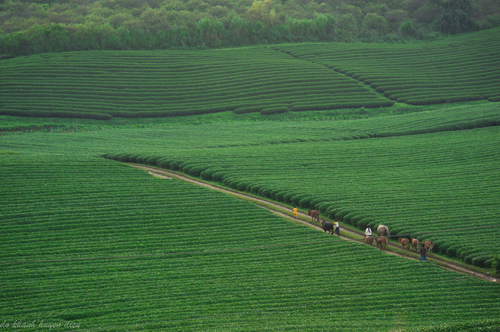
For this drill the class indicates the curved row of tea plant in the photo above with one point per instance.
(456, 69)
(188, 258)
(153, 84)
(414, 184)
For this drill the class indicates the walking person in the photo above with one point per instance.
(368, 231)
(423, 253)
(337, 227)
(294, 212)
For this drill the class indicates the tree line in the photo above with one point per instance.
(40, 26)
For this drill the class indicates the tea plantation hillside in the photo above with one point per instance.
(416, 173)
(154, 84)
(297, 77)
(418, 185)
(91, 244)
(451, 70)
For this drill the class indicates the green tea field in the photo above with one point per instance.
(401, 135)
(90, 244)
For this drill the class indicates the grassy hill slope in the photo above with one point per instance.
(101, 85)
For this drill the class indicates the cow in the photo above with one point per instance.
(327, 226)
(314, 214)
(369, 240)
(414, 243)
(404, 242)
(429, 245)
(382, 230)
(381, 242)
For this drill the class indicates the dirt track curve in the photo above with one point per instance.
(162, 173)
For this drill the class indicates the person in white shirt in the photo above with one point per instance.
(337, 227)
(368, 231)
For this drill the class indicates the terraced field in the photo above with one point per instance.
(154, 84)
(91, 244)
(422, 186)
(413, 183)
(455, 69)
(297, 77)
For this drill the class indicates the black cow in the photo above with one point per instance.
(327, 226)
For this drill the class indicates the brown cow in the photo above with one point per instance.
(314, 214)
(369, 240)
(429, 245)
(404, 243)
(414, 243)
(381, 242)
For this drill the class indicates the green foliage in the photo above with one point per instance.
(33, 27)
(456, 17)
(376, 22)
(496, 263)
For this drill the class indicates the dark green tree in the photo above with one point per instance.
(456, 16)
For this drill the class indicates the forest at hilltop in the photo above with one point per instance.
(41, 26)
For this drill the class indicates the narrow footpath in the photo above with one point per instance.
(165, 174)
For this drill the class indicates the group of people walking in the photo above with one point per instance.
(368, 232)
(423, 249)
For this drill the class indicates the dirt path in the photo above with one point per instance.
(169, 175)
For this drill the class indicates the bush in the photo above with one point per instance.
(152, 161)
(452, 251)
(341, 215)
(376, 22)
(218, 176)
(242, 186)
(306, 203)
(279, 196)
(331, 211)
(209, 172)
(323, 207)
(406, 29)
(273, 193)
(174, 165)
(124, 158)
(197, 170)
(255, 188)
(265, 192)
(296, 199)
(496, 263)
(287, 197)
(142, 159)
(469, 258)
(363, 223)
(164, 163)
(133, 158)
(481, 261)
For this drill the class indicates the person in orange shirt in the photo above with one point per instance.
(294, 212)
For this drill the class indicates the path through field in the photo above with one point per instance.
(169, 175)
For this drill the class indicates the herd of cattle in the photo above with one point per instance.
(382, 242)
(382, 233)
